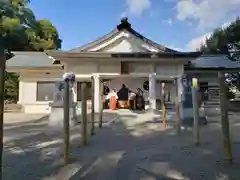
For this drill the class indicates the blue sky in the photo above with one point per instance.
(182, 25)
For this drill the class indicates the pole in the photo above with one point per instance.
(66, 122)
(84, 113)
(178, 121)
(195, 102)
(224, 119)
(101, 105)
(163, 105)
(2, 80)
(93, 108)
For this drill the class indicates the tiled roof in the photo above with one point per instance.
(213, 62)
(30, 59)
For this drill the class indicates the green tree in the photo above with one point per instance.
(22, 32)
(226, 41)
(43, 36)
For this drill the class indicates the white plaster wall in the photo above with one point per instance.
(82, 68)
(28, 91)
(88, 68)
(135, 67)
(109, 67)
(169, 69)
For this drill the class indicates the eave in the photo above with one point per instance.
(47, 68)
(197, 70)
(178, 56)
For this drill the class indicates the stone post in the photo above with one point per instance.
(152, 91)
(97, 93)
(186, 107)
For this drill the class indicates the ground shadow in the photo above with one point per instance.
(147, 155)
(125, 148)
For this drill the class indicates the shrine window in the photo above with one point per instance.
(45, 91)
(146, 85)
(89, 91)
(124, 68)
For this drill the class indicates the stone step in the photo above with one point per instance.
(12, 108)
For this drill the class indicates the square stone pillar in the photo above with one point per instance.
(20, 92)
(186, 106)
(180, 88)
(152, 91)
(97, 93)
(74, 92)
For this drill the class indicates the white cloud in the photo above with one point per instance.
(196, 42)
(172, 46)
(170, 1)
(190, 23)
(208, 13)
(137, 7)
(168, 21)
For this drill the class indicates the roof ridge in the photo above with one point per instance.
(123, 26)
(154, 44)
(95, 42)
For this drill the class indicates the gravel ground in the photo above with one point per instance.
(130, 146)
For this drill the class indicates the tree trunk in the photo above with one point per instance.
(2, 80)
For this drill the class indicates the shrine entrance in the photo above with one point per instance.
(151, 89)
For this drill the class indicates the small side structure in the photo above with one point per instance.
(206, 69)
(37, 79)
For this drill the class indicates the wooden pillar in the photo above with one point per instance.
(224, 119)
(93, 109)
(177, 103)
(2, 81)
(101, 105)
(195, 102)
(164, 105)
(66, 122)
(84, 112)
